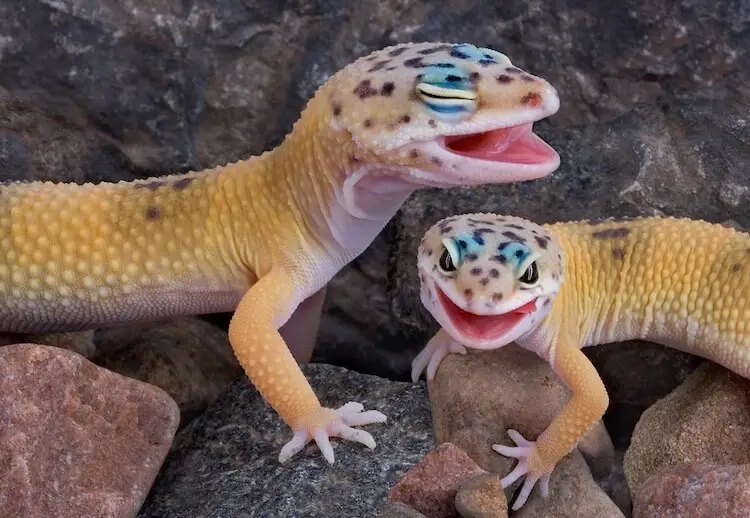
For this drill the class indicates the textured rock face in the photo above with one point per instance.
(75, 439)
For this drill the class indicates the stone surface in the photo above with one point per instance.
(481, 496)
(399, 510)
(706, 419)
(696, 490)
(187, 357)
(430, 487)
(75, 439)
(225, 461)
(81, 342)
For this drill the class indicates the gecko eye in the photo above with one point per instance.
(446, 262)
(531, 275)
(447, 90)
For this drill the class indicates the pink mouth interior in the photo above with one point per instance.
(484, 327)
(516, 144)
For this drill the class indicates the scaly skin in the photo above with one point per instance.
(677, 282)
(263, 236)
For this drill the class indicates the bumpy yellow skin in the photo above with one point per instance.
(678, 282)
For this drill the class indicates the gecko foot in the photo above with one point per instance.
(326, 423)
(526, 453)
(433, 353)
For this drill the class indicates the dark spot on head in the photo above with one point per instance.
(444, 65)
(532, 98)
(453, 79)
(405, 119)
(518, 253)
(484, 281)
(379, 65)
(527, 78)
(514, 225)
(471, 257)
(483, 230)
(429, 252)
(542, 242)
(182, 183)
(618, 253)
(736, 267)
(546, 302)
(151, 186)
(500, 258)
(431, 123)
(387, 89)
(364, 89)
(468, 293)
(513, 70)
(397, 52)
(478, 239)
(435, 160)
(504, 78)
(368, 123)
(446, 229)
(474, 77)
(513, 236)
(371, 57)
(462, 244)
(153, 213)
(494, 273)
(611, 233)
(476, 271)
(390, 69)
(415, 63)
(486, 62)
(336, 109)
(497, 297)
(413, 153)
(432, 50)
(458, 54)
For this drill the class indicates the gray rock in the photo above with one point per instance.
(224, 463)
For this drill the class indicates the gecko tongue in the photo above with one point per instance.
(517, 144)
(483, 327)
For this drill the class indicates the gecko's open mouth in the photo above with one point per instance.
(515, 145)
(483, 328)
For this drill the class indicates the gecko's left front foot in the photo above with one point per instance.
(327, 422)
(529, 464)
(433, 353)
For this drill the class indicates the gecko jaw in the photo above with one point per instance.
(485, 331)
(517, 145)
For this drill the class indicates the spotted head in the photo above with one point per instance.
(488, 279)
(442, 114)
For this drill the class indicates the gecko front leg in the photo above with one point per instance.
(537, 459)
(260, 349)
(433, 353)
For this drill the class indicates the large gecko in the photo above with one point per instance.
(263, 236)
(490, 280)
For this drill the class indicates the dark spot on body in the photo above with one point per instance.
(736, 268)
(182, 183)
(413, 153)
(476, 271)
(387, 89)
(415, 63)
(611, 233)
(432, 50)
(494, 273)
(484, 281)
(527, 78)
(474, 77)
(380, 65)
(364, 89)
(513, 236)
(471, 257)
(153, 213)
(618, 253)
(151, 186)
(397, 52)
(532, 98)
(368, 123)
(405, 119)
(513, 70)
(435, 160)
(336, 109)
(542, 242)
(497, 297)
(504, 78)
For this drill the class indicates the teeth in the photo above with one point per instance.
(446, 93)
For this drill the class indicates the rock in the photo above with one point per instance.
(697, 490)
(187, 357)
(399, 510)
(573, 493)
(76, 439)
(475, 398)
(226, 460)
(81, 342)
(482, 496)
(430, 487)
(705, 420)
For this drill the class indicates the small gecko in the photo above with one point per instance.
(490, 280)
(263, 236)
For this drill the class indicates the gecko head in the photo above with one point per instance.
(488, 279)
(442, 115)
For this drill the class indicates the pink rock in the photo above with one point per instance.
(696, 490)
(75, 439)
(430, 487)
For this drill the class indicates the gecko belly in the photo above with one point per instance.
(515, 144)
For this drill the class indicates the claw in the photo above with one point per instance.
(522, 451)
(326, 423)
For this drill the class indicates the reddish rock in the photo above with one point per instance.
(75, 439)
(430, 487)
(696, 490)
(482, 496)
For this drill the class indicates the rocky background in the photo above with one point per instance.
(654, 120)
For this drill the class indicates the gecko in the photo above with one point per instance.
(490, 279)
(260, 237)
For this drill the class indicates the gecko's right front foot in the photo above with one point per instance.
(327, 422)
